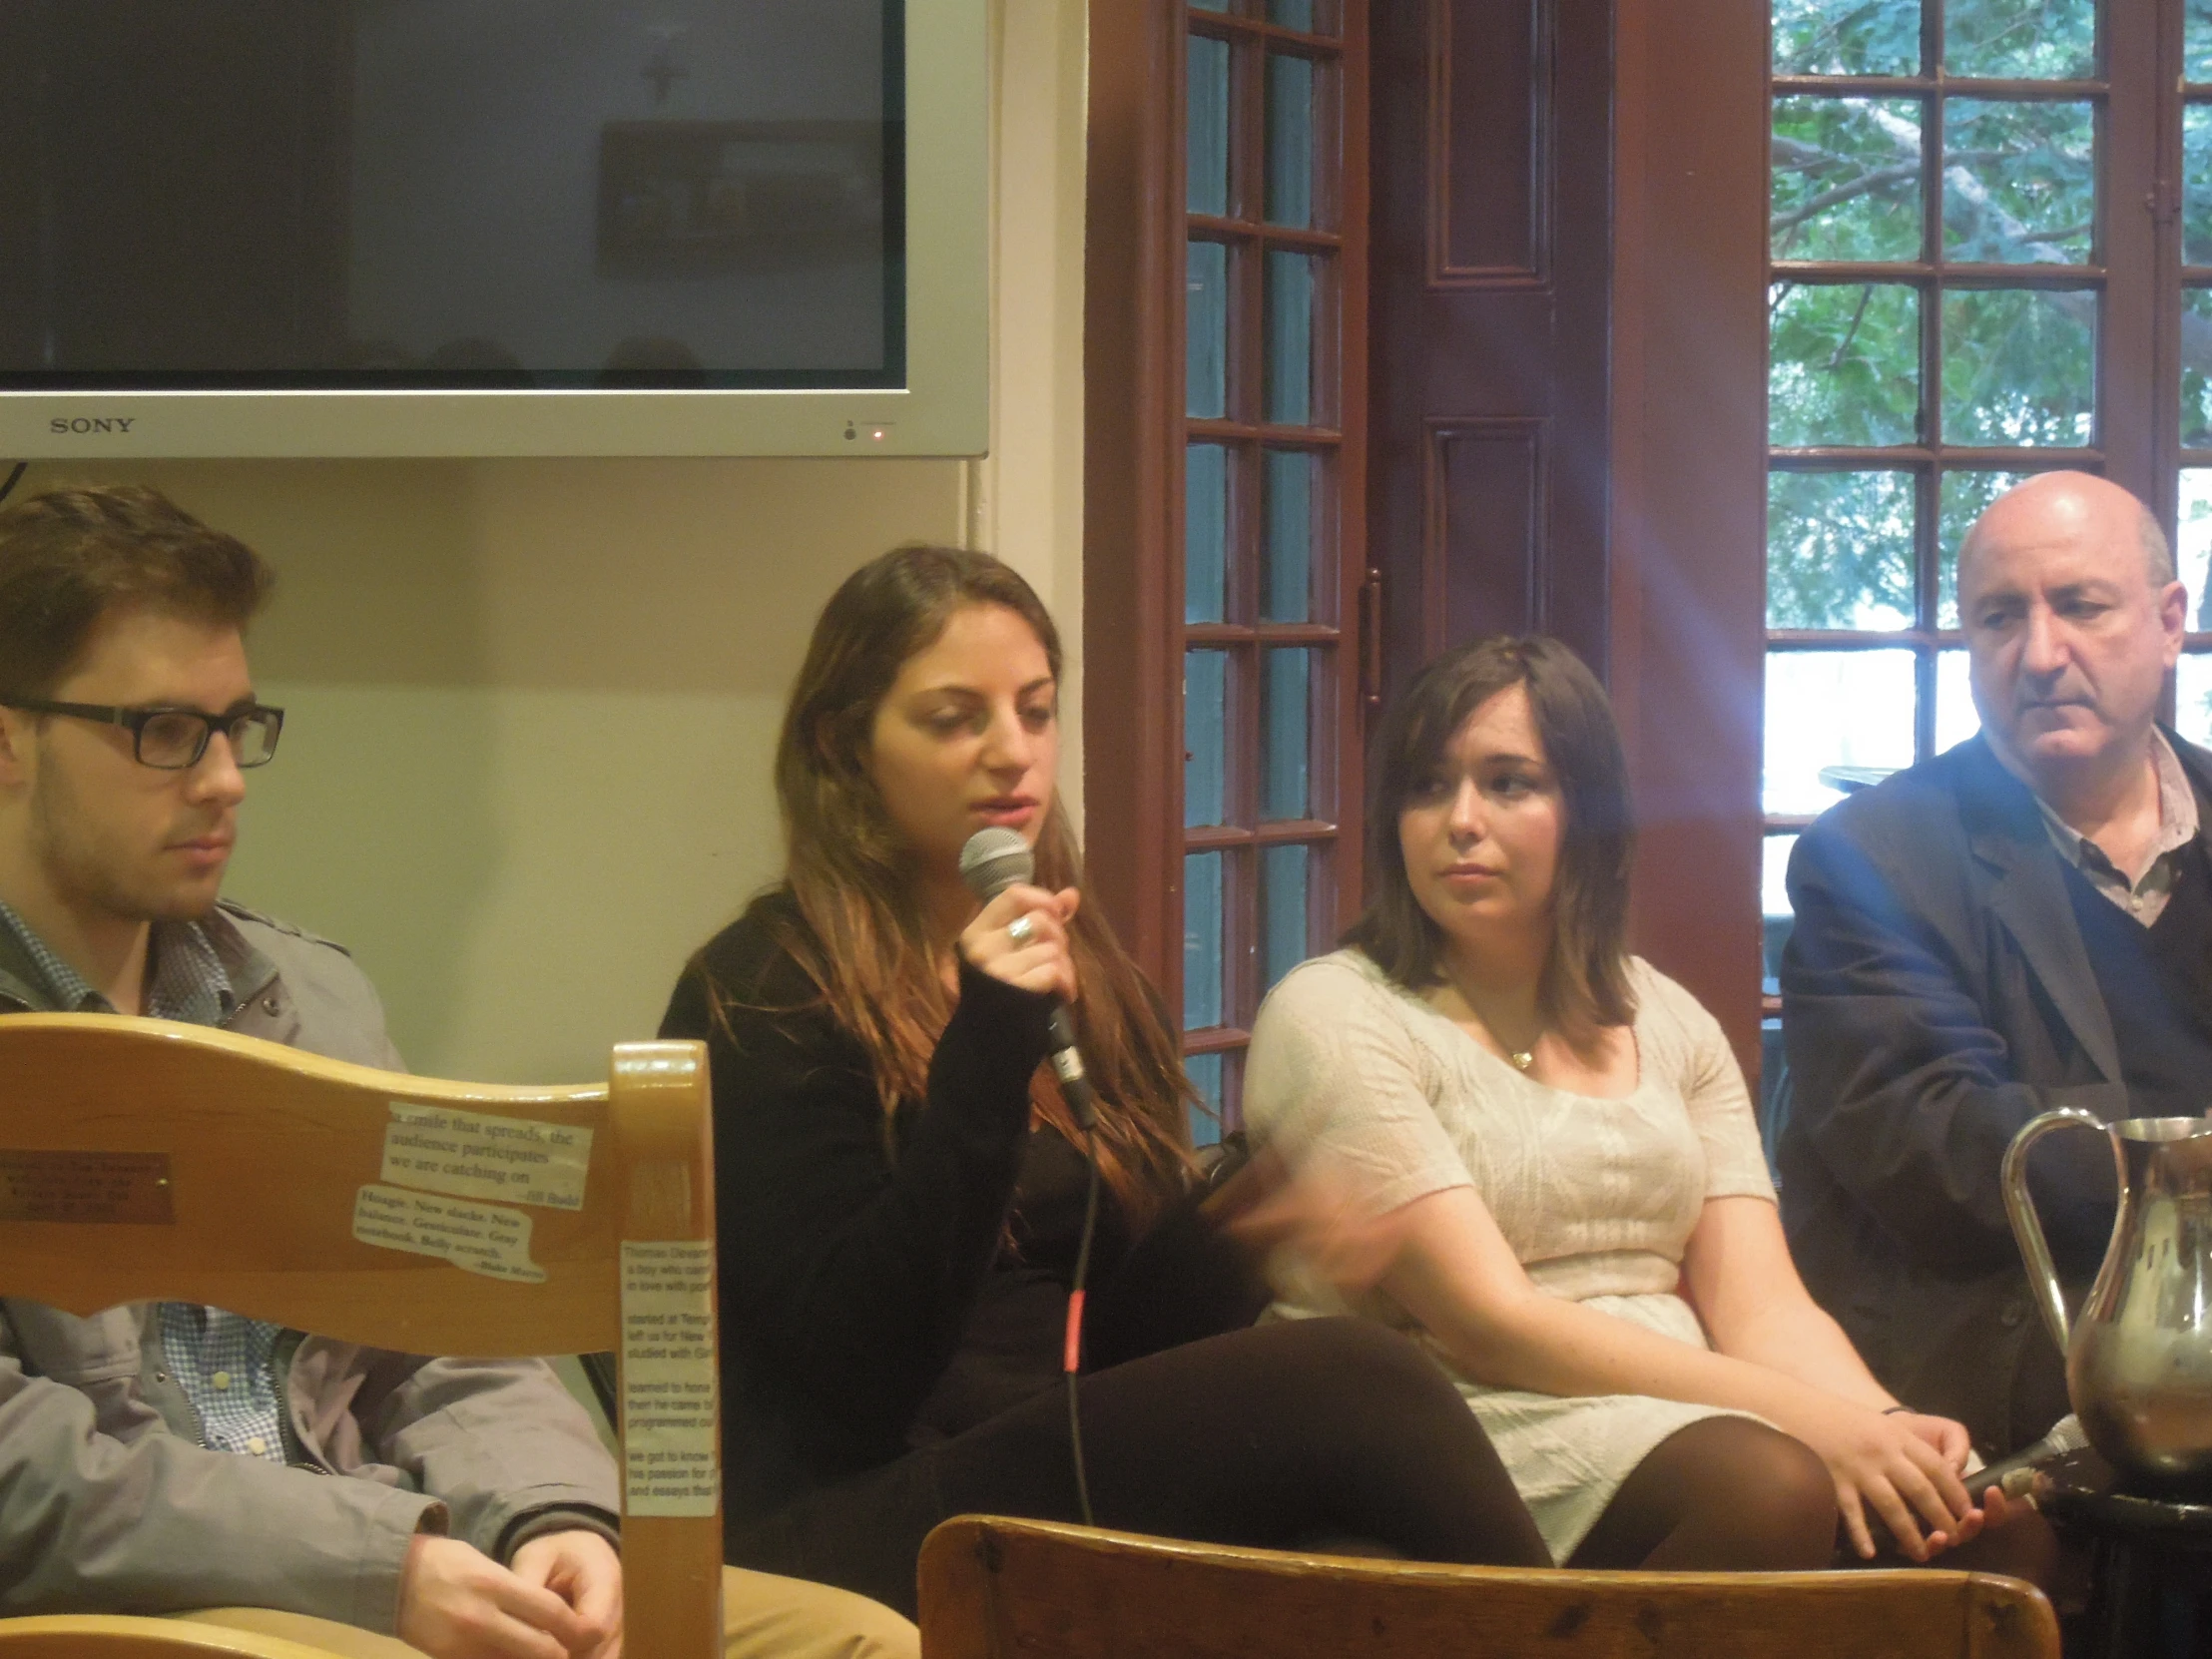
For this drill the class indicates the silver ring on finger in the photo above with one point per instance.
(1020, 931)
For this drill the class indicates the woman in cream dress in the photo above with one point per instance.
(1524, 1145)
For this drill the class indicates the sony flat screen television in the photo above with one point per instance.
(346, 227)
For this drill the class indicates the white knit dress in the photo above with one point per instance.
(1596, 1196)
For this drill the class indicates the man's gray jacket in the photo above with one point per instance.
(109, 1501)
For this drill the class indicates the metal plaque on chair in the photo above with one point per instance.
(85, 1187)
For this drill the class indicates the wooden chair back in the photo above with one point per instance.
(144, 1160)
(993, 1588)
(110, 1636)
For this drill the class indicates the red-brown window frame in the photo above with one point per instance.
(1136, 435)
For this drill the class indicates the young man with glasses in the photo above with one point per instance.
(156, 1458)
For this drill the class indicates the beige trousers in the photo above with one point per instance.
(762, 1617)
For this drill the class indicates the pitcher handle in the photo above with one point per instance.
(2027, 1227)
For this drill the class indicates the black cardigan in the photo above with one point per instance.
(860, 1257)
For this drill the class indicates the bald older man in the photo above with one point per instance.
(2021, 922)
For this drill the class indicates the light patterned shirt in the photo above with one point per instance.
(2145, 898)
(223, 1362)
(220, 1360)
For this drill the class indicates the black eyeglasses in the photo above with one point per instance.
(173, 739)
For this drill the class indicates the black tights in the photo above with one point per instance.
(1726, 1495)
(1272, 1436)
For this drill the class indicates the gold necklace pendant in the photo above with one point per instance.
(1522, 1059)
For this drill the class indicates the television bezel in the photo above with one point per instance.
(943, 409)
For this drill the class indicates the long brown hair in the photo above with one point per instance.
(1584, 986)
(867, 945)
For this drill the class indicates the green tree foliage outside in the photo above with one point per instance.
(2196, 183)
(2018, 182)
(2008, 39)
(1854, 37)
(1844, 365)
(1840, 550)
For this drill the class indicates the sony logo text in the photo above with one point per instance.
(91, 423)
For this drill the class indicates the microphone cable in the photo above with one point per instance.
(1071, 1356)
(993, 860)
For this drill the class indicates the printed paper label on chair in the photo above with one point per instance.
(483, 1238)
(84, 1186)
(472, 1155)
(668, 1380)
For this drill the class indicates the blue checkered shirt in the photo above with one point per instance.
(220, 1360)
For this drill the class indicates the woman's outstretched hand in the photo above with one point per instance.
(1320, 1212)
(1021, 936)
(1902, 1467)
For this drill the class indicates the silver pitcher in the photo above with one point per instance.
(2139, 1356)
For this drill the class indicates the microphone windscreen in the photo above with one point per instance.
(994, 861)
(2016, 1473)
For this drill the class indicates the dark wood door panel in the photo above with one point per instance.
(1483, 551)
(1489, 324)
(1484, 346)
(1489, 98)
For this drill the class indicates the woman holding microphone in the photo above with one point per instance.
(901, 1184)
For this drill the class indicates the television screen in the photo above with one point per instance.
(471, 195)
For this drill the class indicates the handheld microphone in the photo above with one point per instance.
(994, 861)
(2016, 1473)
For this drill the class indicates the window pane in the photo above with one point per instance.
(1291, 14)
(1774, 1109)
(1847, 178)
(2019, 182)
(2193, 697)
(1774, 907)
(1284, 941)
(1964, 497)
(1955, 718)
(1290, 338)
(1213, 5)
(1774, 866)
(1846, 37)
(1840, 550)
(1283, 784)
(1207, 324)
(1290, 197)
(2196, 40)
(1829, 709)
(2196, 184)
(1209, 134)
(1205, 533)
(1202, 934)
(2025, 40)
(1204, 1071)
(2019, 368)
(1205, 737)
(2193, 546)
(1288, 586)
(1845, 364)
(2196, 367)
